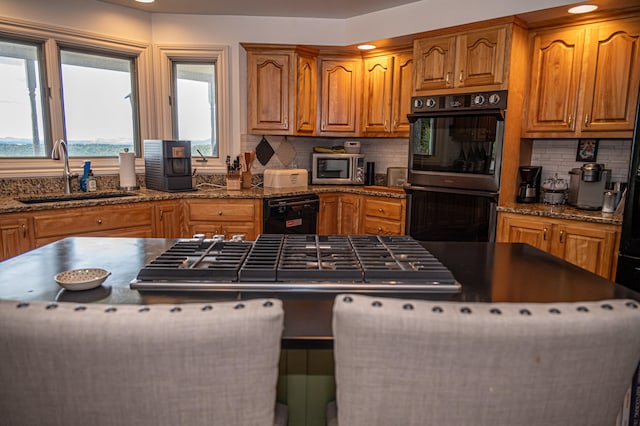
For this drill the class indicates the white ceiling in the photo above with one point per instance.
(335, 9)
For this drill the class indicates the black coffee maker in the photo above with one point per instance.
(529, 191)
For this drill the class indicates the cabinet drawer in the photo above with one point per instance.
(84, 220)
(382, 227)
(239, 211)
(383, 208)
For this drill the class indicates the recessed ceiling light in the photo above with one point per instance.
(366, 47)
(583, 8)
(145, 1)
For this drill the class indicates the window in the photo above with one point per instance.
(194, 106)
(99, 104)
(93, 91)
(22, 129)
(193, 90)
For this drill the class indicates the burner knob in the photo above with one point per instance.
(478, 100)
(431, 102)
(199, 236)
(237, 237)
(418, 103)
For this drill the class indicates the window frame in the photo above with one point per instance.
(52, 39)
(164, 56)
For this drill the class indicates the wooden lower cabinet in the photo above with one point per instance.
(166, 220)
(226, 217)
(328, 215)
(384, 216)
(591, 246)
(349, 210)
(118, 220)
(16, 235)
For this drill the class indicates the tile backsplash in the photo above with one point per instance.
(559, 156)
(384, 152)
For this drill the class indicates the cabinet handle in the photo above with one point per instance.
(285, 123)
(586, 120)
(386, 124)
(570, 121)
(561, 235)
(447, 78)
(544, 234)
(161, 213)
(395, 124)
(24, 231)
(461, 77)
(99, 221)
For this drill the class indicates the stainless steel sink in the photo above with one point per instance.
(74, 197)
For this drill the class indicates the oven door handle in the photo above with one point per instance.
(293, 203)
(487, 194)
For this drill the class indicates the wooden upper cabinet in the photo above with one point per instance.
(340, 96)
(584, 81)
(387, 91)
(556, 69)
(281, 90)
(473, 59)
(612, 77)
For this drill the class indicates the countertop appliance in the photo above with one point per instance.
(455, 157)
(285, 178)
(167, 165)
(290, 214)
(629, 257)
(352, 147)
(281, 263)
(529, 191)
(587, 185)
(337, 169)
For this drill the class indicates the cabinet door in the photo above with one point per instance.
(268, 91)
(525, 229)
(434, 62)
(306, 98)
(555, 76)
(340, 94)
(349, 214)
(15, 236)
(612, 77)
(166, 221)
(378, 89)
(589, 247)
(401, 96)
(480, 58)
(328, 215)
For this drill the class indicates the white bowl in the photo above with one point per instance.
(82, 279)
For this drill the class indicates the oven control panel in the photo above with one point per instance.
(460, 102)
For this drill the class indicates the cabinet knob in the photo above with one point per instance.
(99, 221)
(544, 234)
(380, 210)
(561, 235)
(379, 229)
(219, 213)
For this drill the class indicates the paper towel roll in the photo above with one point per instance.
(127, 170)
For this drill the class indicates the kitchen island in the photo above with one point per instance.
(487, 272)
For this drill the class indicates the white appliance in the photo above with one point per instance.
(285, 178)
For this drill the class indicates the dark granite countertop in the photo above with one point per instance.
(488, 272)
(562, 212)
(10, 203)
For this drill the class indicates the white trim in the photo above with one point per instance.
(163, 55)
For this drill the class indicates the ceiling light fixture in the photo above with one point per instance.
(145, 1)
(583, 8)
(366, 47)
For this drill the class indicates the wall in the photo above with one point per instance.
(559, 156)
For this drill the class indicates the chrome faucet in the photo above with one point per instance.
(60, 152)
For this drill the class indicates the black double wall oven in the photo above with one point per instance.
(455, 156)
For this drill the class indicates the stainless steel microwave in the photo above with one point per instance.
(337, 169)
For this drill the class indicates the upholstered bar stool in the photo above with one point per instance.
(407, 362)
(190, 364)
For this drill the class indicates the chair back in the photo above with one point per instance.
(408, 362)
(188, 364)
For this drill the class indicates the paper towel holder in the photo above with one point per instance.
(127, 187)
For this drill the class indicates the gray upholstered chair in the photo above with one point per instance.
(190, 364)
(405, 362)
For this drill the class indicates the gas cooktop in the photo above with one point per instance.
(290, 262)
